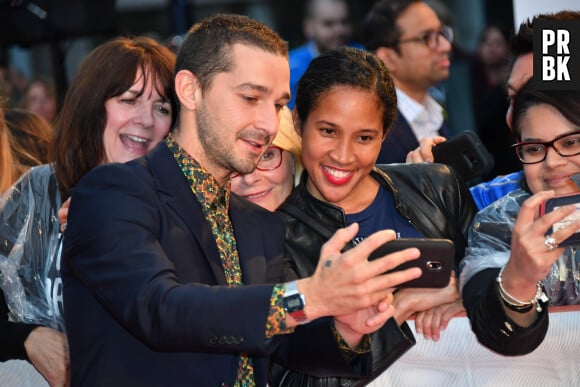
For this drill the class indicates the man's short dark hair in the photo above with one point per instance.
(206, 49)
(379, 28)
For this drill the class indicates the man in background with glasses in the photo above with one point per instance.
(408, 37)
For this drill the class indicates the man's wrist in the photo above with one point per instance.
(295, 303)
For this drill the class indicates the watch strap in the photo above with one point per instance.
(294, 302)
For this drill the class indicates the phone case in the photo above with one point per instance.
(436, 260)
(557, 202)
(466, 154)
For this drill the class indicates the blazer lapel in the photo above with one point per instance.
(403, 134)
(249, 240)
(176, 193)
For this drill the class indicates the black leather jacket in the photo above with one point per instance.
(433, 200)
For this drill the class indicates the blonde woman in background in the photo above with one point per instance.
(24, 141)
(278, 170)
(7, 172)
(30, 136)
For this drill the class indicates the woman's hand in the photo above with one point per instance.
(348, 285)
(431, 322)
(530, 258)
(47, 350)
(63, 214)
(433, 308)
(364, 321)
(424, 153)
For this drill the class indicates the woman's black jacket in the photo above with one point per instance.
(429, 196)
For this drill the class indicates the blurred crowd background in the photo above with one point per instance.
(43, 42)
(49, 38)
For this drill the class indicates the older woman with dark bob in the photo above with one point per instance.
(119, 106)
(517, 262)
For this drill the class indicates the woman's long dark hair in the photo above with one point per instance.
(108, 71)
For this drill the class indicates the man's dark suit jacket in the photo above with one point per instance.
(401, 140)
(140, 272)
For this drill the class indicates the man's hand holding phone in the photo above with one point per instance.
(354, 290)
(432, 298)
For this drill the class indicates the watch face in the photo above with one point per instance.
(293, 303)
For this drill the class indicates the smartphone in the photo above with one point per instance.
(436, 260)
(466, 154)
(557, 202)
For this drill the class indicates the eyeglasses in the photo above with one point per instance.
(532, 152)
(431, 38)
(270, 160)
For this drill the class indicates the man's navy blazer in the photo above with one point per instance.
(145, 295)
(401, 140)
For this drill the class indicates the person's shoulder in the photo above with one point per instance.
(413, 170)
(115, 175)
(505, 207)
(37, 178)
(502, 180)
(300, 51)
(41, 170)
(254, 219)
(300, 56)
(159, 157)
(293, 203)
(116, 167)
(488, 192)
(249, 209)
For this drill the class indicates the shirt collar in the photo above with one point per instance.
(204, 186)
(415, 112)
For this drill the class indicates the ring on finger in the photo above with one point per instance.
(550, 242)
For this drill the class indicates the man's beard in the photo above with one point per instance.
(219, 153)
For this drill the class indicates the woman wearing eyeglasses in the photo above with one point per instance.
(273, 179)
(514, 263)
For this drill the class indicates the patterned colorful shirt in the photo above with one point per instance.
(215, 205)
